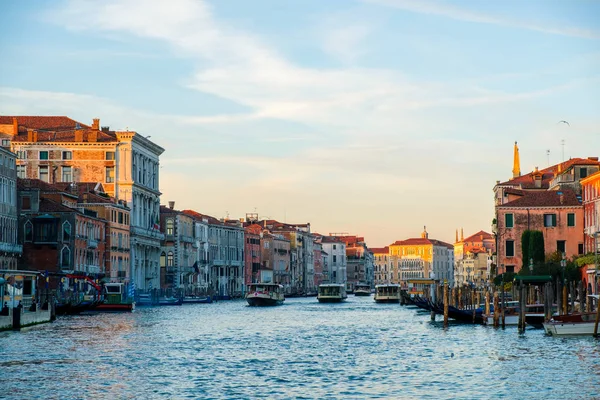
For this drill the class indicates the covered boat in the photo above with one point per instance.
(265, 294)
(331, 293)
(362, 289)
(387, 293)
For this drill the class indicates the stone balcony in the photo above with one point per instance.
(11, 248)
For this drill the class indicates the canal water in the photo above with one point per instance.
(303, 349)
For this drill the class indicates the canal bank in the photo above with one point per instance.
(356, 349)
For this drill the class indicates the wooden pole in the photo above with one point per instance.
(572, 293)
(597, 317)
(436, 290)
(564, 300)
(496, 310)
(503, 304)
(487, 302)
(445, 304)
(521, 307)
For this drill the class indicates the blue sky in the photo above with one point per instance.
(371, 117)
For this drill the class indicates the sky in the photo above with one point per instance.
(366, 117)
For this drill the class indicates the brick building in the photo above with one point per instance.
(59, 149)
(10, 249)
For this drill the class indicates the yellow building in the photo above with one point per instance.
(421, 258)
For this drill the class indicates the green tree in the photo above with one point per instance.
(536, 247)
(525, 247)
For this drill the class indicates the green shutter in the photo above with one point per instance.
(570, 219)
(553, 219)
(508, 220)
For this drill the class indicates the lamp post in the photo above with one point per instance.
(563, 265)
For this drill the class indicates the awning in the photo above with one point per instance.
(533, 279)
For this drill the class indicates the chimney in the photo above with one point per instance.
(79, 135)
(15, 126)
(171, 205)
(96, 123)
(105, 128)
(562, 199)
(593, 158)
(32, 135)
(93, 136)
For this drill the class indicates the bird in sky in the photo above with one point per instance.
(564, 122)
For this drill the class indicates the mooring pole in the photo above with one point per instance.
(445, 304)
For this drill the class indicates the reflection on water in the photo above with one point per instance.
(303, 349)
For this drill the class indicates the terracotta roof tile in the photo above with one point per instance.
(527, 182)
(49, 206)
(42, 122)
(546, 198)
(380, 250)
(479, 236)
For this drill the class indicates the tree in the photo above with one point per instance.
(536, 247)
(525, 238)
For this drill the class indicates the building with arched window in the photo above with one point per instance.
(10, 249)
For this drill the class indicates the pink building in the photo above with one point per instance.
(318, 262)
(252, 254)
(591, 210)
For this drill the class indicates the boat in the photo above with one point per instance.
(115, 299)
(265, 294)
(331, 293)
(170, 301)
(144, 300)
(571, 324)
(534, 315)
(362, 289)
(387, 293)
(197, 299)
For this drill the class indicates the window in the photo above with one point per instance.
(580, 248)
(65, 256)
(67, 174)
(110, 155)
(334, 258)
(510, 248)
(549, 220)
(21, 172)
(43, 155)
(25, 203)
(508, 220)
(28, 231)
(170, 259)
(21, 154)
(169, 227)
(163, 259)
(570, 219)
(67, 155)
(43, 173)
(583, 172)
(66, 231)
(110, 174)
(5, 142)
(561, 246)
(334, 246)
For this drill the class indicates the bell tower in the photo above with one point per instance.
(516, 162)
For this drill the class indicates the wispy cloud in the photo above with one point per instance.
(461, 14)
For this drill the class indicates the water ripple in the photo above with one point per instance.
(301, 350)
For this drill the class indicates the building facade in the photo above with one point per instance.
(59, 149)
(10, 249)
(381, 265)
(473, 258)
(335, 258)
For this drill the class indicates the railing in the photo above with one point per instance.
(566, 178)
(92, 243)
(11, 248)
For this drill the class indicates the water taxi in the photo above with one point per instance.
(387, 293)
(331, 293)
(362, 289)
(116, 299)
(265, 294)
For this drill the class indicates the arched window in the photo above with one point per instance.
(169, 227)
(66, 231)
(28, 231)
(65, 256)
(170, 259)
(163, 259)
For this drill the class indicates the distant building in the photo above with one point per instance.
(252, 254)
(359, 261)
(10, 249)
(381, 265)
(591, 211)
(335, 258)
(422, 258)
(473, 258)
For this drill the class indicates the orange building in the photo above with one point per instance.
(591, 210)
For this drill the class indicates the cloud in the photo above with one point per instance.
(460, 14)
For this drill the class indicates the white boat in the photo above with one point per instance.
(573, 324)
(265, 294)
(362, 289)
(331, 293)
(387, 293)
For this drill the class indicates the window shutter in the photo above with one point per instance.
(553, 219)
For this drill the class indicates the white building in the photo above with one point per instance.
(335, 259)
(10, 249)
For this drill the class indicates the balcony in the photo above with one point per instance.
(92, 244)
(11, 248)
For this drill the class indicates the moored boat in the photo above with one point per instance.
(387, 293)
(115, 299)
(572, 324)
(197, 299)
(331, 293)
(362, 289)
(265, 294)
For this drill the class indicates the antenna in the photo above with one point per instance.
(548, 156)
(562, 143)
